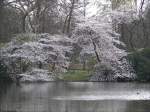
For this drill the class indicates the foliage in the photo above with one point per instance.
(2, 45)
(91, 63)
(43, 51)
(76, 75)
(9, 23)
(118, 3)
(25, 65)
(26, 37)
(141, 64)
(3, 72)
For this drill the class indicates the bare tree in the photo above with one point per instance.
(43, 14)
(85, 3)
(70, 7)
(25, 7)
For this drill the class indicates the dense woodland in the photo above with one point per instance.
(46, 16)
(130, 20)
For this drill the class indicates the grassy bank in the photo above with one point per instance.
(76, 75)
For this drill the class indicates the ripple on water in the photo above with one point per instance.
(144, 95)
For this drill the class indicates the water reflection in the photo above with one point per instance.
(75, 97)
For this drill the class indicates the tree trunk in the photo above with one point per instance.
(38, 5)
(70, 16)
(84, 8)
(65, 23)
(1, 4)
(43, 23)
(95, 50)
(24, 23)
(1, 16)
(32, 27)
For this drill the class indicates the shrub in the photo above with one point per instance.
(27, 37)
(140, 61)
(91, 63)
(2, 45)
(3, 73)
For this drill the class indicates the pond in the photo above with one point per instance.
(75, 97)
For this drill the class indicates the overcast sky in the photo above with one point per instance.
(93, 6)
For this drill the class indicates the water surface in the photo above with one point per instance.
(75, 97)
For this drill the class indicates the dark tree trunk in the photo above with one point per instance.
(1, 16)
(43, 23)
(1, 3)
(84, 8)
(70, 16)
(65, 23)
(96, 53)
(24, 23)
(38, 5)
